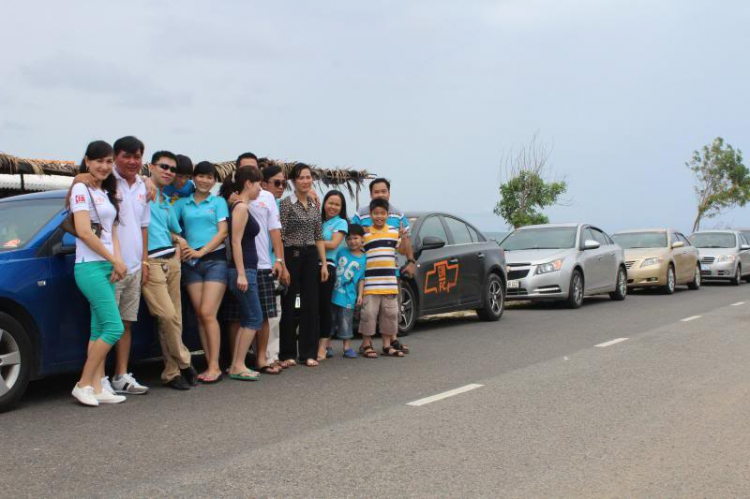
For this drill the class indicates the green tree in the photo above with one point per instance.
(722, 180)
(526, 190)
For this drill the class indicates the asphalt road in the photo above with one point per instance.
(662, 413)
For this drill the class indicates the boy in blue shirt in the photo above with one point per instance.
(350, 269)
(181, 186)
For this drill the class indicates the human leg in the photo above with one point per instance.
(210, 301)
(368, 324)
(309, 327)
(287, 329)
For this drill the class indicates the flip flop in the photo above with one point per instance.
(270, 369)
(329, 352)
(349, 353)
(241, 376)
(210, 380)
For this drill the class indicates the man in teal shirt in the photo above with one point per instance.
(162, 290)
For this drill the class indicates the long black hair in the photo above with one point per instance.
(100, 149)
(235, 182)
(343, 205)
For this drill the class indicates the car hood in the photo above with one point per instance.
(639, 253)
(717, 251)
(536, 256)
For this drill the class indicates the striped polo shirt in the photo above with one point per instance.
(380, 270)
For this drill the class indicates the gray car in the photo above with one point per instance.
(724, 255)
(564, 262)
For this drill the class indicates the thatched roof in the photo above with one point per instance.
(342, 178)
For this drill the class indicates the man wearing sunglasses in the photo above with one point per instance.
(162, 291)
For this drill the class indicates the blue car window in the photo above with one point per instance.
(21, 220)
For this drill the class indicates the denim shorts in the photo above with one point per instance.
(202, 271)
(251, 316)
(342, 322)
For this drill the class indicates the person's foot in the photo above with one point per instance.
(329, 352)
(349, 353)
(126, 383)
(85, 395)
(311, 363)
(178, 383)
(190, 375)
(107, 386)
(109, 398)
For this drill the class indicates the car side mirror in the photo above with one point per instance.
(745, 247)
(678, 244)
(590, 244)
(431, 242)
(63, 249)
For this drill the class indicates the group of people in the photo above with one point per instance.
(153, 236)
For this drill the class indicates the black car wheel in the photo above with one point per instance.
(494, 299)
(408, 310)
(15, 361)
(622, 286)
(576, 290)
(737, 279)
(696, 282)
(671, 282)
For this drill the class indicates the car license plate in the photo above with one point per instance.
(296, 302)
(514, 284)
(705, 267)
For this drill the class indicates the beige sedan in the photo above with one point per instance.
(660, 258)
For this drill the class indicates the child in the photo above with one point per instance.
(350, 262)
(379, 288)
(181, 186)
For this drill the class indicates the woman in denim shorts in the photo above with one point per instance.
(203, 218)
(243, 265)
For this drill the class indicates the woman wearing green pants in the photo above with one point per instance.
(98, 266)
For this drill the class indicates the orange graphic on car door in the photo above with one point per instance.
(442, 278)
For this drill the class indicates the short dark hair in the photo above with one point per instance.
(163, 154)
(356, 230)
(129, 144)
(380, 180)
(184, 165)
(205, 168)
(270, 171)
(236, 181)
(379, 203)
(298, 169)
(245, 155)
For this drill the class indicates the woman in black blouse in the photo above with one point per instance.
(305, 257)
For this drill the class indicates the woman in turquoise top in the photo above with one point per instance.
(335, 227)
(203, 218)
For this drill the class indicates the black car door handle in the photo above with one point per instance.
(453, 260)
(481, 255)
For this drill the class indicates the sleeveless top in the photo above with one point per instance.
(249, 253)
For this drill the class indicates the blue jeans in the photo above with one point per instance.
(342, 323)
(251, 316)
(204, 270)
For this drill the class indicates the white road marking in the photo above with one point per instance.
(691, 318)
(611, 342)
(738, 303)
(444, 395)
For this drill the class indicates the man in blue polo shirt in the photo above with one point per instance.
(162, 290)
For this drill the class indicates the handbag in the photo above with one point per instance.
(69, 226)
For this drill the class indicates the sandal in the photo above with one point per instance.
(400, 346)
(349, 353)
(368, 352)
(329, 352)
(246, 376)
(270, 369)
(390, 351)
(210, 380)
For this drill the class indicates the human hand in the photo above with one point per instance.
(144, 273)
(151, 189)
(119, 268)
(409, 269)
(286, 278)
(242, 282)
(324, 273)
(359, 301)
(278, 270)
(233, 198)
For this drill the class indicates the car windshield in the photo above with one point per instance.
(713, 240)
(633, 240)
(548, 238)
(21, 220)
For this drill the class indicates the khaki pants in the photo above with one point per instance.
(162, 295)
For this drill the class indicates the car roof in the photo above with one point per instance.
(632, 231)
(720, 231)
(548, 226)
(56, 194)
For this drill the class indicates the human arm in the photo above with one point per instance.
(360, 292)
(323, 263)
(279, 267)
(219, 237)
(117, 273)
(151, 190)
(144, 264)
(239, 221)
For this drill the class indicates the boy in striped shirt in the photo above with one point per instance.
(379, 288)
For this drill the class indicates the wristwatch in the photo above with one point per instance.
(411, 260)
(280, 260)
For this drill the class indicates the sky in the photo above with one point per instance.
(431, 94)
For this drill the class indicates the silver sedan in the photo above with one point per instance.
(564, 262)
(724, 255)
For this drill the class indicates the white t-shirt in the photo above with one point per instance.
(80, 200)
(266, 213)
(135, 214)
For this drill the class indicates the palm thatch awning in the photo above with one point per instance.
(342, 178)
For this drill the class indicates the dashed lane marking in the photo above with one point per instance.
(444, 395)
(611, 342)
(691, 318)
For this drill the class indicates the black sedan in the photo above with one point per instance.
(458, 268)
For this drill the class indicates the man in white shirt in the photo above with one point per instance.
(132, 232)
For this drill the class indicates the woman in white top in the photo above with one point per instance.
(98, 266)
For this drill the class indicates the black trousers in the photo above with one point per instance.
(304, 268)
(326, 293)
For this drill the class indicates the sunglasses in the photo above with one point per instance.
(170, 168)
(279, 183)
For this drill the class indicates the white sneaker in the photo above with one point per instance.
(85, 395)
(127, 384)
(109, 398)
(107, 386)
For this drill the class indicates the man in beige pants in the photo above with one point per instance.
(162, 291)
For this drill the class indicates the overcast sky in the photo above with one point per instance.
(432, 94)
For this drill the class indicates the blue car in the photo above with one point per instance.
(44, 318)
